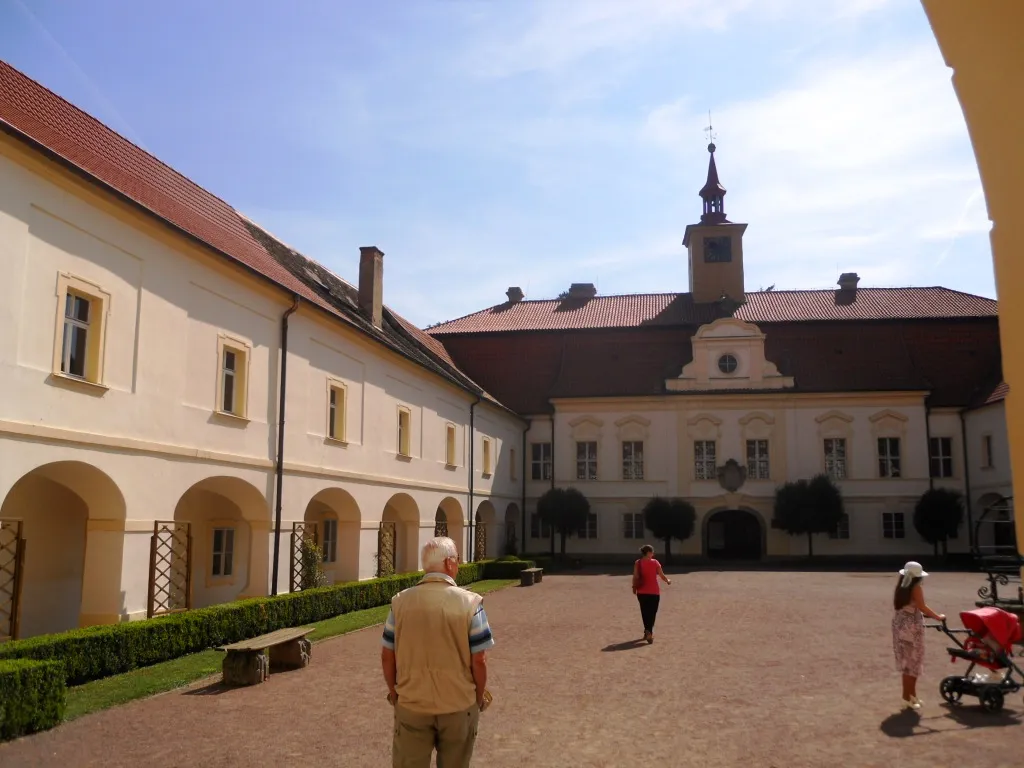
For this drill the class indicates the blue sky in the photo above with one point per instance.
(542, 142)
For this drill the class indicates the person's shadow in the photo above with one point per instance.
(909, 722)
(629, 644)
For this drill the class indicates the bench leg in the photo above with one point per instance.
(525, 579)
(538, 577)
(245, 667)
(291, 655)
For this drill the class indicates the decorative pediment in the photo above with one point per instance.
(728, 354)
(889, 421)
(633, 419)
(767, 418)
(888, 413)
(633, 427)
(709, 417)
(833, 416)
(586, 427)
(586, 419)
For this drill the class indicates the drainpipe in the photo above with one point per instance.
(472, 451)
(967, 480)
(279, 469)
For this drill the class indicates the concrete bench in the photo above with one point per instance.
(248, 662)
(530, 576)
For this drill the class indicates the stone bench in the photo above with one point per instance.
(530, 576)
(248, 662)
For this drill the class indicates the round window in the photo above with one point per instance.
(727, 364)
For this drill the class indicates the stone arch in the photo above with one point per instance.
(231, 539)
(73, 517)
(402, 510)
(484, 530)
(336, 515)
(513, 521)
(451, 510)
(734, 533)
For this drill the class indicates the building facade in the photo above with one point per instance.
(142, 368)
(719, 395)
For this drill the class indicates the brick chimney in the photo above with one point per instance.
(848, 281)
(515, 294)
(371, 284)
(582, 291)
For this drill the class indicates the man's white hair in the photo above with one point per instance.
(436, 551)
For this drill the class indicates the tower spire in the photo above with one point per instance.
(712, 193)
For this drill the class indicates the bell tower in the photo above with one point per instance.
(715, 245)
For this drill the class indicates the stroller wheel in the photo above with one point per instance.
(949, 689)
(991, 699)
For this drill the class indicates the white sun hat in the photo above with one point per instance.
(912, 570)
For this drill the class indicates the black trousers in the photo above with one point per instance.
(648, 610)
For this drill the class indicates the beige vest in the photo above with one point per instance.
(432, 647)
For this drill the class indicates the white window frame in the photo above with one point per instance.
(450, 437)
(589, 528)
(586, 464)
(488, 458)
(404, 436)
(539, 529)
(633, 525)
(890, 464)
(942, 454)
(705, 465)
(330, 540)
(758, 462)
(540, 461)
(836, 457)
(632, 466)
(222, 561)
(987, 453)
(242, 351)
(337, 407)
(890, 520)
(842, 531)
(69, 286)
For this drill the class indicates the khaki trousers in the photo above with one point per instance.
(417, 735)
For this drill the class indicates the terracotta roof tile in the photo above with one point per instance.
(674, 309)
(998, 394)
(31, 111)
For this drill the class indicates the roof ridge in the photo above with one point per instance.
(104, 127)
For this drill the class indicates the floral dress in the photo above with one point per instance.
(908, 640)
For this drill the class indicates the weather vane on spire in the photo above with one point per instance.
(710, 133)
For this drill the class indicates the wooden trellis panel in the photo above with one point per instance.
(12, 570)
(170, 568)
(300, 533)
(510, 537)
(440, 524)
(386, 549)
(479, 541)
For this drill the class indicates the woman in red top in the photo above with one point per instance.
(646, 572)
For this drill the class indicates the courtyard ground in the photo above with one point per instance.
(753, 668)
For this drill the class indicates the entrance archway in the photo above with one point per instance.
(402, 518)
(733, 534)
(335, 514)
(73, 517)
(230, 539)
(451, 510)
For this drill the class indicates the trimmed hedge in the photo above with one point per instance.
(97, 652)
(506, 569)
(31, 696)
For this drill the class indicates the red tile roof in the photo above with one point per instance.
(998, 394)
(674, 309)
(31, 112)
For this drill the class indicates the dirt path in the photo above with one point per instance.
(748, 669)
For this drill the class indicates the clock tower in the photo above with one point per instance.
(715, 246)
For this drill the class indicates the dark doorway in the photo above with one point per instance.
(733, 534)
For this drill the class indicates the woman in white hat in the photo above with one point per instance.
(908, 629)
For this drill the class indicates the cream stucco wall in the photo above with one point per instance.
(93, 465)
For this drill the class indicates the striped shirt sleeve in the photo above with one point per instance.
(388, 637)
(480, 637)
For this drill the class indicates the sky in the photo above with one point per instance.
(485, 144)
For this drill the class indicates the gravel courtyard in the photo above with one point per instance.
(748, 668)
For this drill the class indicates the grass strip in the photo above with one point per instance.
(166, 676)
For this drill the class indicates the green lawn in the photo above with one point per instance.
(119, 689)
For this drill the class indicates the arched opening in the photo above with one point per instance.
(336, 516)
(484, 543)
(733, 534)
(230, 539)
(451, 509)
(73, 519)
(511, 543)
(402, 519)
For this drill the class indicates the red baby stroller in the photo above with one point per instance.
(991, 633)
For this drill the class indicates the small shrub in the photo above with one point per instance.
(96, 652)
(312, 558)
(31, 696)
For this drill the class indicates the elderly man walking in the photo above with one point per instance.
(435, 664)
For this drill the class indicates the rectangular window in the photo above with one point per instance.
(757, 460)
(941, 456)
(232, 380)
(336, 413)
(404, 432)
(540, 461)
(589, 529)
(330, 540)
(986, 452)
(487, 468)
(538, 528)
(586, 460)
(632, 460)
(75, 348)
(513, 471)
(842, 530)
(889, 457)
(704, 459)
(449, 445)
(835, 457)
(223, 552)
(633, 525)
(892, 525)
